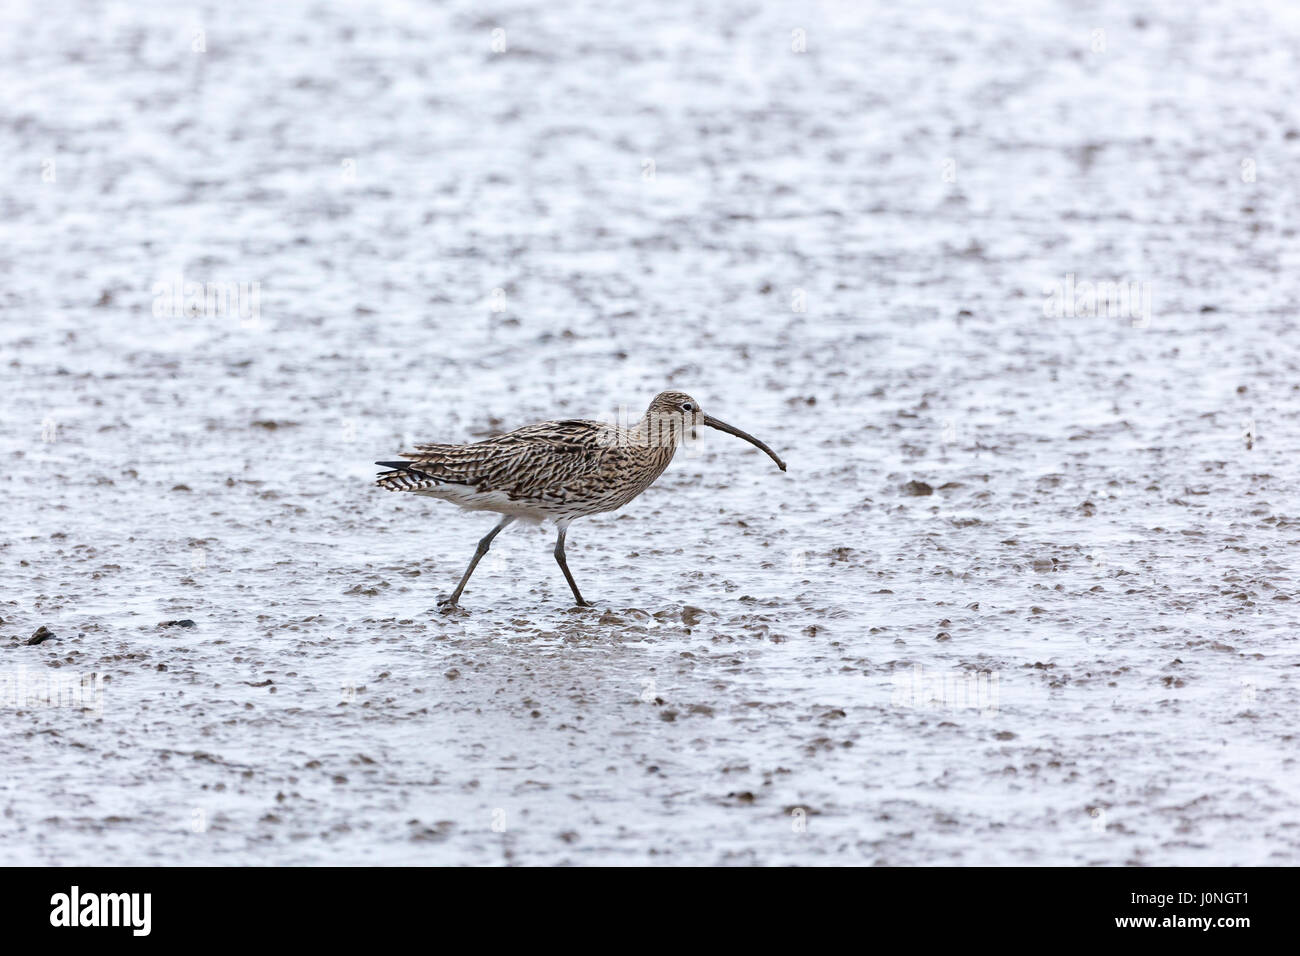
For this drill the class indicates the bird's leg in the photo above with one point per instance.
(481, 550)
(564, 566)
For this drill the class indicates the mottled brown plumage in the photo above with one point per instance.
(558, 470)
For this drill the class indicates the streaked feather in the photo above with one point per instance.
(560, 469)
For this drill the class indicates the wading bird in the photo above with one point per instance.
(554, 470)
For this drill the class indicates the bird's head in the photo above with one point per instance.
(673, 416)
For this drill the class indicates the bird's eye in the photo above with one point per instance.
(687, 407)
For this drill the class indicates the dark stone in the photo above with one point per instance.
(42, 634)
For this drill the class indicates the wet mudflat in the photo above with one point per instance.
(1026, 594)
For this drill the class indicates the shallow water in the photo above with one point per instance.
(1077, 648)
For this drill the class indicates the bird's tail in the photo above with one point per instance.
(403, 476)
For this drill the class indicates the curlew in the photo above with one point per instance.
(557, 471)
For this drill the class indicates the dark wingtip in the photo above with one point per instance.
(394, 465)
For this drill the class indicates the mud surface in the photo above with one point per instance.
(1026, 594)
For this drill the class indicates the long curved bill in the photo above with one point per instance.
(732, 430)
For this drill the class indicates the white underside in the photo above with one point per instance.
(473, 500)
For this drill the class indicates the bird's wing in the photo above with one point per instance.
(536, 461)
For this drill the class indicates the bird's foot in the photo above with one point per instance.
(448, 605)
(582, 603)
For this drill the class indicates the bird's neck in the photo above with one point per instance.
(657, 432)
